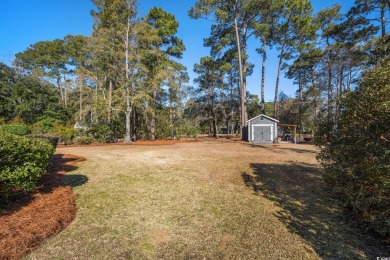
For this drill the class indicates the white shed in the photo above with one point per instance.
(262, 129)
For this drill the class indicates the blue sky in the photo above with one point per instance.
(25, 22)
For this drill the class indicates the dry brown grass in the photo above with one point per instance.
(204, 200)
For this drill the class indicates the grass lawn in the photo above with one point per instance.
(206, 200)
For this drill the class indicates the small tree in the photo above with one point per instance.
(210, 81)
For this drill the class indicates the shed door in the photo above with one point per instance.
(262, 133)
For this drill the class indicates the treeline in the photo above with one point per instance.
(323, 53)
(125, 76)
(128, 75)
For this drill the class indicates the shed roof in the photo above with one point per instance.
(270, 118)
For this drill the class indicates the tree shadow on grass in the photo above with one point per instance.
(281, 148)
(62, 163)
(75, 180)
(308, 210)
(55, 177)
(300, 150)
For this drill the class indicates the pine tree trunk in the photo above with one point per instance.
(133, 123)
(153, 120)
(383, 20)
(242, 83)
(264, 55)
(330, 91)
(171, 114)
(96, 102)
(127, 89)
(60, 91)
(65, 98)
(315, 98)
(110, 89)
(277, 80)
(231, 102)
(215, 128)
(128, 117)
(300, 103)
(81, 97)
(244, 69)
(214, 122)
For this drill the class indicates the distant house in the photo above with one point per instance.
(82, 126)
(262, 129)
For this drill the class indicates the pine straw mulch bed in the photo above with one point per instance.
(160, 142)
(138, 142)
(28, 220)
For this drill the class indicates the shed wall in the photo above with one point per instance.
(261, 121)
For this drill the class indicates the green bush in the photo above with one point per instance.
(102, 133)
(22, 162)
(45, 125)
(188, 130)
(65, 134)
(83, 140)
(51, 139)
(15, 129)
(355, 152)
(163, 130)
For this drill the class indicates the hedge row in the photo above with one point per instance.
(22, 162)
(83, 140)
(15, 129)
(64, 134)
(50, 139)
(355, 154)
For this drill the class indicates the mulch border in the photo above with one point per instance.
(30, 219)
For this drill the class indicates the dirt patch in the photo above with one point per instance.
(225, 240)
(30, 219)
(159, 236)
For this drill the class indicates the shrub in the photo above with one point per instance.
(15, 129)
(163, 125)
(65, 134)
(22, 162)
(83, 140)
(50, 139)
(17, 121)
(188, 130)
(44, 125)
(355, 154)
(102, 133)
